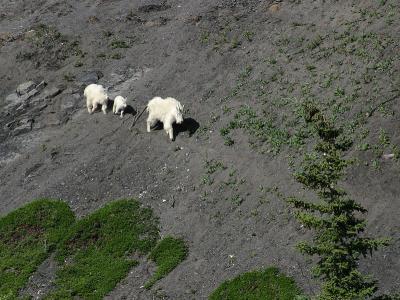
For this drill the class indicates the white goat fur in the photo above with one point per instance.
(119, 105)
(96, 95)
(167, 111)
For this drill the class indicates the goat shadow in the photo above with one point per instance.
(129, 110)
(189, 125)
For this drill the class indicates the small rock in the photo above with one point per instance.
(25, 87)
(93, 19)
(51, 93)
(21, 107)
(24, 127)
(29, 95)
(388, 156)
(70, 91)
(116, 79)
(193, 19)
(41, 85)
(30, 34)
(90, 77)
(9, 124)
(5, 37)
(67, 104)
(42, 107)
(274, 8)
(156, 22)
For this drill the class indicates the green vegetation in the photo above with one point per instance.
(116, 55)
(49, 46)
(268, 284)
(93, 253)
(119, 44)
(249, 35)
(349, 73)
(227, 36)
(27, 237)
(336, 219)
(225, 189)
(262, 128)
(43, 34)
(97, 248)
(69, 77)
(315, 43)
(211, 166)
(204, 37)
(168, 253)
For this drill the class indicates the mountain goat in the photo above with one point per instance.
(96, 95)
(167, 111)
(119, 105)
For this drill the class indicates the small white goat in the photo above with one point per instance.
(167, 111)
(119, 105)
(96, 95)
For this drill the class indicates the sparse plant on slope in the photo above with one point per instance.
(339, 240)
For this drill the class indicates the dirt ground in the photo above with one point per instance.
(234, 217)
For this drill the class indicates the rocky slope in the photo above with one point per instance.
(214, 56)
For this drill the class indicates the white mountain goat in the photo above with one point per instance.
(119, 105)
(96, 95)
(167, 111)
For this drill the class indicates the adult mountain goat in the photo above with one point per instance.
(167, 111)
(96, 95)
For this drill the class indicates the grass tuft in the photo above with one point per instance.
(119, 44)
(261, 128)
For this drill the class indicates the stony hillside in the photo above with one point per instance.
(242, 69)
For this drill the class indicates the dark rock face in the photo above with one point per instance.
(89, 77)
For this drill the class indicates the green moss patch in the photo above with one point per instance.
(93, 253)
(97, 249)
(27, 237)
(267, 284)
(168, 253)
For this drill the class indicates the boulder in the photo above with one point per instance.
(13, 100)
(29, 95)
(50, 93)
(89, 77)
(25, 87)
